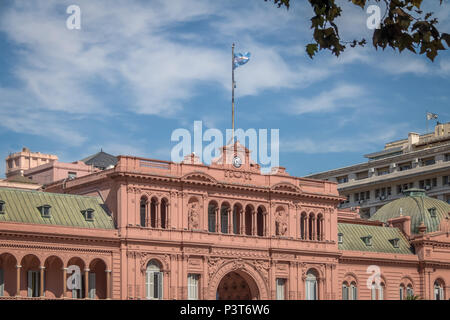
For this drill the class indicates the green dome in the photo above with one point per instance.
(419, 207)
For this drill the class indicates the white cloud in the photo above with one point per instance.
(342, 96)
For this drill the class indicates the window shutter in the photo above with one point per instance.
(30, 283)
(160, 285)
(92, 285)
(2, 283)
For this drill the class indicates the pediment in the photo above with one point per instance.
(286, 186)
(198, 177)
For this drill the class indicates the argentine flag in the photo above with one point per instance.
(241, 59)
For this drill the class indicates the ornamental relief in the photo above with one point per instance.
(215, 263)
(145, 257)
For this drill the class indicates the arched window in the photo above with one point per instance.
(153, 213)
(237, 212)
(311, 289)
(377, 292)
(260, 222)
(154, 281)
(311, 226)
(409, 291)
(224, 218)
(402, 292)
(439, 290)
(248, 220)
(143, 212)
(212, 217)
(345, 294)
(354, 291)
(303, 226)
(319, 227)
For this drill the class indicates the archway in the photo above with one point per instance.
(237, 285)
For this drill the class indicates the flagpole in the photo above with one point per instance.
(232, 92)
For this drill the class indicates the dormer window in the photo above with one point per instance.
(88, 214)
(395, 242)
(45, 211)
(432, 212)
(340, 238)
(367, 240)
(2, 207)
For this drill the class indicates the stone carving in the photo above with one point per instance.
(193, 215)
(281, 223)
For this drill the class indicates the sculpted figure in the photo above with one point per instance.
(193, 215)
(281, 223)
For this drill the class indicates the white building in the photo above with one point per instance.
(420, 161)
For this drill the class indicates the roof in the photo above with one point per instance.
(382, 238)
(101, 160)
(416, 205)
(20, 179)
(66, 210)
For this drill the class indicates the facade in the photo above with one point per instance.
(421, 161)
(149, 229)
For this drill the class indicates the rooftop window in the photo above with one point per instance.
(88, 214)
(428, 161)
(362, 175)
(382, 171)
(45, 211)
(395, 242)
(340, 238)
(2, 207)
(432, 212)
(342, 179)
(367, 240)
(404, 166)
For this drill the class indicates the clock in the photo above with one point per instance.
(237, 162)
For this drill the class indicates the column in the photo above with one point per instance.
(217, 219)
(167, 215)
(242, 224)
(18, 269)
(230, 221)
(313, 228)
(86, 283)
(41, 282)
(108, 284)
(147, 213)
(307, 227)
(64, 283)
(265, 223)
(253, 223)
(158, 215)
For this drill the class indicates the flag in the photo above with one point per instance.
(431, 116)
(241, 59)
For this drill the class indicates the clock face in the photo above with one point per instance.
(237, 162)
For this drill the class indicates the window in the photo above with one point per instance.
(402, 292)
(356, 197)
(193, 280)
(45, 211)
(340, 238)
(447, 157)
(2, 206)
(311, 286)
(91, 287)
(143, 211)
(33, 283)
(2, 283)
(212, 218)
(154, 281)
(409, 291)
(345, 294)
(438, 290)
(362, 175)
(367, 240)
(428, 161)
(395, 242)
(382, 171)
(404, 166)
(432, 212)
(342, 179)
(354, 291)
(88, 214)
(281, 289)
(71, 175)
(434, 182)
(445, 180)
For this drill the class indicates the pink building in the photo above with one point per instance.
(149, 229)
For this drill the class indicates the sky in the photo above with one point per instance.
(138, 70)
